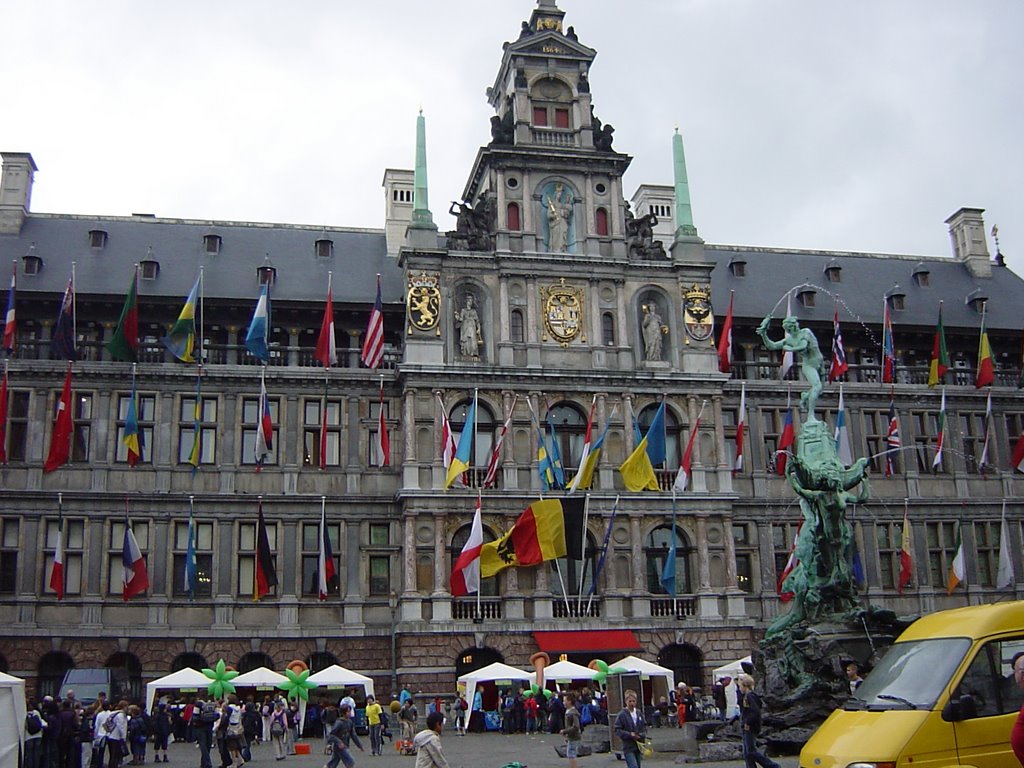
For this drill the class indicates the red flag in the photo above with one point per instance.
(264, 575)
(10, 326)
(326, 348)
(786, 441)
(888, 346)
(791, 564)
(892, 439)
(838, 366)
(740, 428)
(725, 341)
(373, 344)
(3, 419)
(135, 578)
(1017, 459)
(57, 571)
(683, 475)
(327, 574)
(63, 427)
(466, 571)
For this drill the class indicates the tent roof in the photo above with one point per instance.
(183, 678)
(568, 670)
(338, 675)
(6, 679)
(497, 671)
(731, 669)
(259, 676)
(634, 664)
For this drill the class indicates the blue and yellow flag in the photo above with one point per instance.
(181, 339)
(463, 453)
(556, 457)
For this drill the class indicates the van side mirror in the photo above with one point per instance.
(963, 708)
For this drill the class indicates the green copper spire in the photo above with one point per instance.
(421, 216)
(684, 214)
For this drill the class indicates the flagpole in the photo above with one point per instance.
(674, 601)
(191, 543)
(565, 594)
(583, 562)
(202, 316)
(479, 587)
(74, 309)
(604, 552)
(472, 453)
(540, 435)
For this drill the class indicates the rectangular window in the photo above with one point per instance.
(773, 421)
(203, 546)
(74, 545)
(247, 556)
(115, 557)
(145, 408)
(561, 118)
(986, 544)
(17, 425)
(730, 417)
(311, 558)
(941, 539)
(888, 540)
(745, 550)
(783, 537)
(312, 410)
(250, 424)
(81, 413)
(926, 430)
(972, 430)
(380, 575)
(207, 429)
(540, 116)
(876, 430)
(380, 535)
(9, 530)
(374, 429)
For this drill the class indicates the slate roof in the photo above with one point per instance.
(865, 280)
(359, 254)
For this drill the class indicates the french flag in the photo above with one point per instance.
(9, 323)
(326, 572)
(135, 578)
(264, 430)
(57, 571)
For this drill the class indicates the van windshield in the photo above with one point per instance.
(911, 675)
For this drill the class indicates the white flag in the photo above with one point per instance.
(1005, 577)
(787, 356)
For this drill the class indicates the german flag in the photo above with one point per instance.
(264, 575)
(537, 536)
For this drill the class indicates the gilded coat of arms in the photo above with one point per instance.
(423, 303)
(698, 317)
(563, 312)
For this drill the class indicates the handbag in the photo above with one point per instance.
(646, 748)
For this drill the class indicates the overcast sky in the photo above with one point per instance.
(855, 126)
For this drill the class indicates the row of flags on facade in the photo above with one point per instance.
(838, 366)
(181, 341)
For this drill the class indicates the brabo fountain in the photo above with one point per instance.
(803, 656)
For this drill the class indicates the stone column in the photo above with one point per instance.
(410, 465)
(637, 552)
(410, 603)
(736, 600)
(293, 347)
(509, 468)
(627, 422)
(703, 562)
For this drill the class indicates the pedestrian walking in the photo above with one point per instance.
(631, 728)
(428, 743)
(373, 716)
(279, 730)
(572, 731)
(342, 735)
(750, 718)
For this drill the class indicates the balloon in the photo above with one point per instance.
(535, 692)
(603, 670)
(297, 686)
(220, 680)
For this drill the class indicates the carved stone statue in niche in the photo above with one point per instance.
(653, 329)
(640, 241)
(473, 226)
(468, 322)
(558, 212)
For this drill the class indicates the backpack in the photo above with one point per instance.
(109, 726)
(586, 715)
(32, 724)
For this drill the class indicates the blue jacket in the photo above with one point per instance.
(624, 726)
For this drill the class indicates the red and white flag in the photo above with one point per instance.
(10, 326)
(491, 477)
(791, 564)
(740, 429)
(3, 418)
(1017, 458)
(984, 464)
(326, 348)
(373, 344)
(448, 446)
(787, 355)
(381, 441)
(466, 571)
(725, 341)
(57, 571)
(264, 427)
(838, 366)
(683, 475)
(134, 579)
(906, 559)
(327, 574)
(63, 427)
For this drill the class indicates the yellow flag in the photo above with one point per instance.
(637, 471)
(496, 556)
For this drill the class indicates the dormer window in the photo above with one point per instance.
(324, 248)
(896, 300)
(921, 276)
(149, 269)
(97, 238)
(833, 272)
(976, 300)
(266, 274)
(31, 264)
(806, 296)
(212, 243)
(738, 267)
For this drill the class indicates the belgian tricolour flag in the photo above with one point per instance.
(547, 530)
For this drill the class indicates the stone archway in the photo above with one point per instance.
(686, 662)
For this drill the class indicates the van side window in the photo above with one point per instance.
(989, 679)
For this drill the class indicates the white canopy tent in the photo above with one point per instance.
(649, 668)
(495, 671)
(183, 678)
(12, 718)
(733, 669)
(336, 676)
(562, 671)
(261, 677)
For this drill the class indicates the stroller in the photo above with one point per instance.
(405, 747)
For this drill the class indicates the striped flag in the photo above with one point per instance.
(740, 431)
(906, 560)
(537, 536)
(465, 578)
(491, 476)
(464, 453)
(264, 427)
(57, 570)
(124, 344)
(892, 440)
(258, 335)
(10, 325)
(181, 339)
(888, 346)
(791, 564)
(587, 447)
(373, 344)
(327, 574)
(940, 354)
(132, 434)
(957, 570)
(382, 441)
(984, 463)
(195, 454)
(448, 446)
(838, 367)
(940, 434)
(986, 371)
(62, 341)
(786, 440)
(725, 341)
(842, 435)
(326, 347)
(191, 568)
(683, 475)
(264, 574)
(135, 579)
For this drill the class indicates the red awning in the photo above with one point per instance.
(581, 641)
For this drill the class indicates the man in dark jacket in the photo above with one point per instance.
(750, 718)
(631, 728)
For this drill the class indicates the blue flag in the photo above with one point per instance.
(556, 457)
(668, 573)
(259, 328)
(656, 450)
(191, 570)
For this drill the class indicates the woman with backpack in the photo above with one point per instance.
(138, 734)
(279, 730)
(34, 724)
(160, 722)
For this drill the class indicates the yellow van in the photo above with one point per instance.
(943, 696)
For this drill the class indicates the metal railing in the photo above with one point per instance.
(679, 608)
(576, 609)
(468, 610)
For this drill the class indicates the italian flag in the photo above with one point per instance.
(956, 570)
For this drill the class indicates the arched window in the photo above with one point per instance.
(570, 428)
(516, 326)
(514, 222)
(673, 430)
(573, 571)
(656, 550)
(188, 660)
(254, 660)
(552, 100)
(132, 667)
(322, 660)
(685, 661)
(50, 672)
(488, 587)
(601, 222)
(608, 329)
(483, 437)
